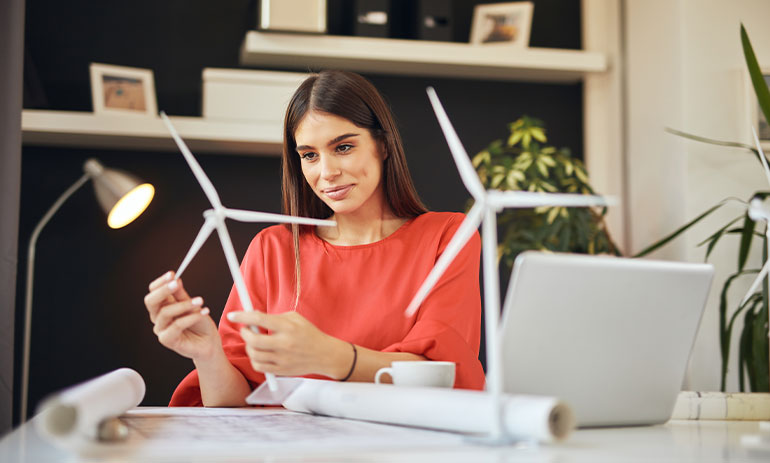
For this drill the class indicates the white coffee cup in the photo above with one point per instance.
(419, 373)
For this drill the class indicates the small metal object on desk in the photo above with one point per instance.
(112, 430)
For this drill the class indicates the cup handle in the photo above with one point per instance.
(383, 371)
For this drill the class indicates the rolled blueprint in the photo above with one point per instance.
(545, 419)
(81, 409)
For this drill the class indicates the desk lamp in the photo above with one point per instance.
(122, 196)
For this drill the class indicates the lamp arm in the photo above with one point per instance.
(28, 295)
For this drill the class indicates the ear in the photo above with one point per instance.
(383, 151)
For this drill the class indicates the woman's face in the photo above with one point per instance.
(341, 162)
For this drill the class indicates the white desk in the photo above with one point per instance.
(701, 441)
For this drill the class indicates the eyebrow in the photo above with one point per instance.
(331, 142)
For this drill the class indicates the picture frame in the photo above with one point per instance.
(755, 116)
(506, 24)
(123, 90)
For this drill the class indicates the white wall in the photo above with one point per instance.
(684, 68)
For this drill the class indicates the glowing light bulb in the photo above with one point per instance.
(130, 206)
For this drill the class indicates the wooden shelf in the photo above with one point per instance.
(83, 129)
(418, 57)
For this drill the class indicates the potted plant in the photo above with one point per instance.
(753, 351)
(524, 161)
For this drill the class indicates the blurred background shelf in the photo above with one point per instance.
(418, 57)
(89, 130)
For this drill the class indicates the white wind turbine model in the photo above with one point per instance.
(215, 219)
(759, 212)
(484, 212)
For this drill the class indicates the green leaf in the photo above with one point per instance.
(761, 347)
(513, 178)
(678, 232)
(581, 174)
(716, 236)
(710, 141)
(757, 80)
(482, 157)
(526, 138)
(745, 353)
(725, 327)
(746, 238)
(538, 134)
(514, 138)
(549, 187)
(568, 168)
(547, 160)
(541, 167)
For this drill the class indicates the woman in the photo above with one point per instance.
(331, 300)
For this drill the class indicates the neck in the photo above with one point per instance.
(364, 226)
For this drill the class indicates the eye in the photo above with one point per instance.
(344, 148)
(308, 156)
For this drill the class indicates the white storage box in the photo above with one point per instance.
(247, 95)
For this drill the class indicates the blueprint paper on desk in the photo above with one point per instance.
(540, 418)
(268, 427)
(199, 434)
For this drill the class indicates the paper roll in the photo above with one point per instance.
(80, 409)
(545, 419)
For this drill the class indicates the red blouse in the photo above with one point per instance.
(359, 294)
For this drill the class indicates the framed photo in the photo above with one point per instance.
(123, 90)
(502, 23)
(756, 116)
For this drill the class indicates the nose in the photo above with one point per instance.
(329, 167)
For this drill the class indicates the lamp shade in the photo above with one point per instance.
(122, 196)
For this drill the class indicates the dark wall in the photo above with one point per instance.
(88, 312)
(11, 56)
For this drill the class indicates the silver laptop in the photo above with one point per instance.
(611, 336)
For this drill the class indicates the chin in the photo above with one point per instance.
(339, 207)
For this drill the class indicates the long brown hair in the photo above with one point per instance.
(351, 96)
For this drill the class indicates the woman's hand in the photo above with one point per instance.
(294, 346)
(181, 323)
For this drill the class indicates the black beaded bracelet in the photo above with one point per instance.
(353, 366)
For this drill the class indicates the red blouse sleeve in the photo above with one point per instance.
(448, 323)
(188, 393)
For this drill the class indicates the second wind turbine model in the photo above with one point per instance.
(484, 212)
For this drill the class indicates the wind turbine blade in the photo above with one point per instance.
(502, 199)
(206, 185)
(461, 236)
(758, 211)
(254, 216)
(203, 234)
(756, 283)
(240, 284)
(467, 173)
(761, 154)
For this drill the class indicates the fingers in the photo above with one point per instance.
(177, 289)
(173, 332)
(257, 318)
(163, 293)
(163, 279)
(263, 363)
(168, 314)
(259, 341)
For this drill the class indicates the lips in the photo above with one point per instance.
(337, 192)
